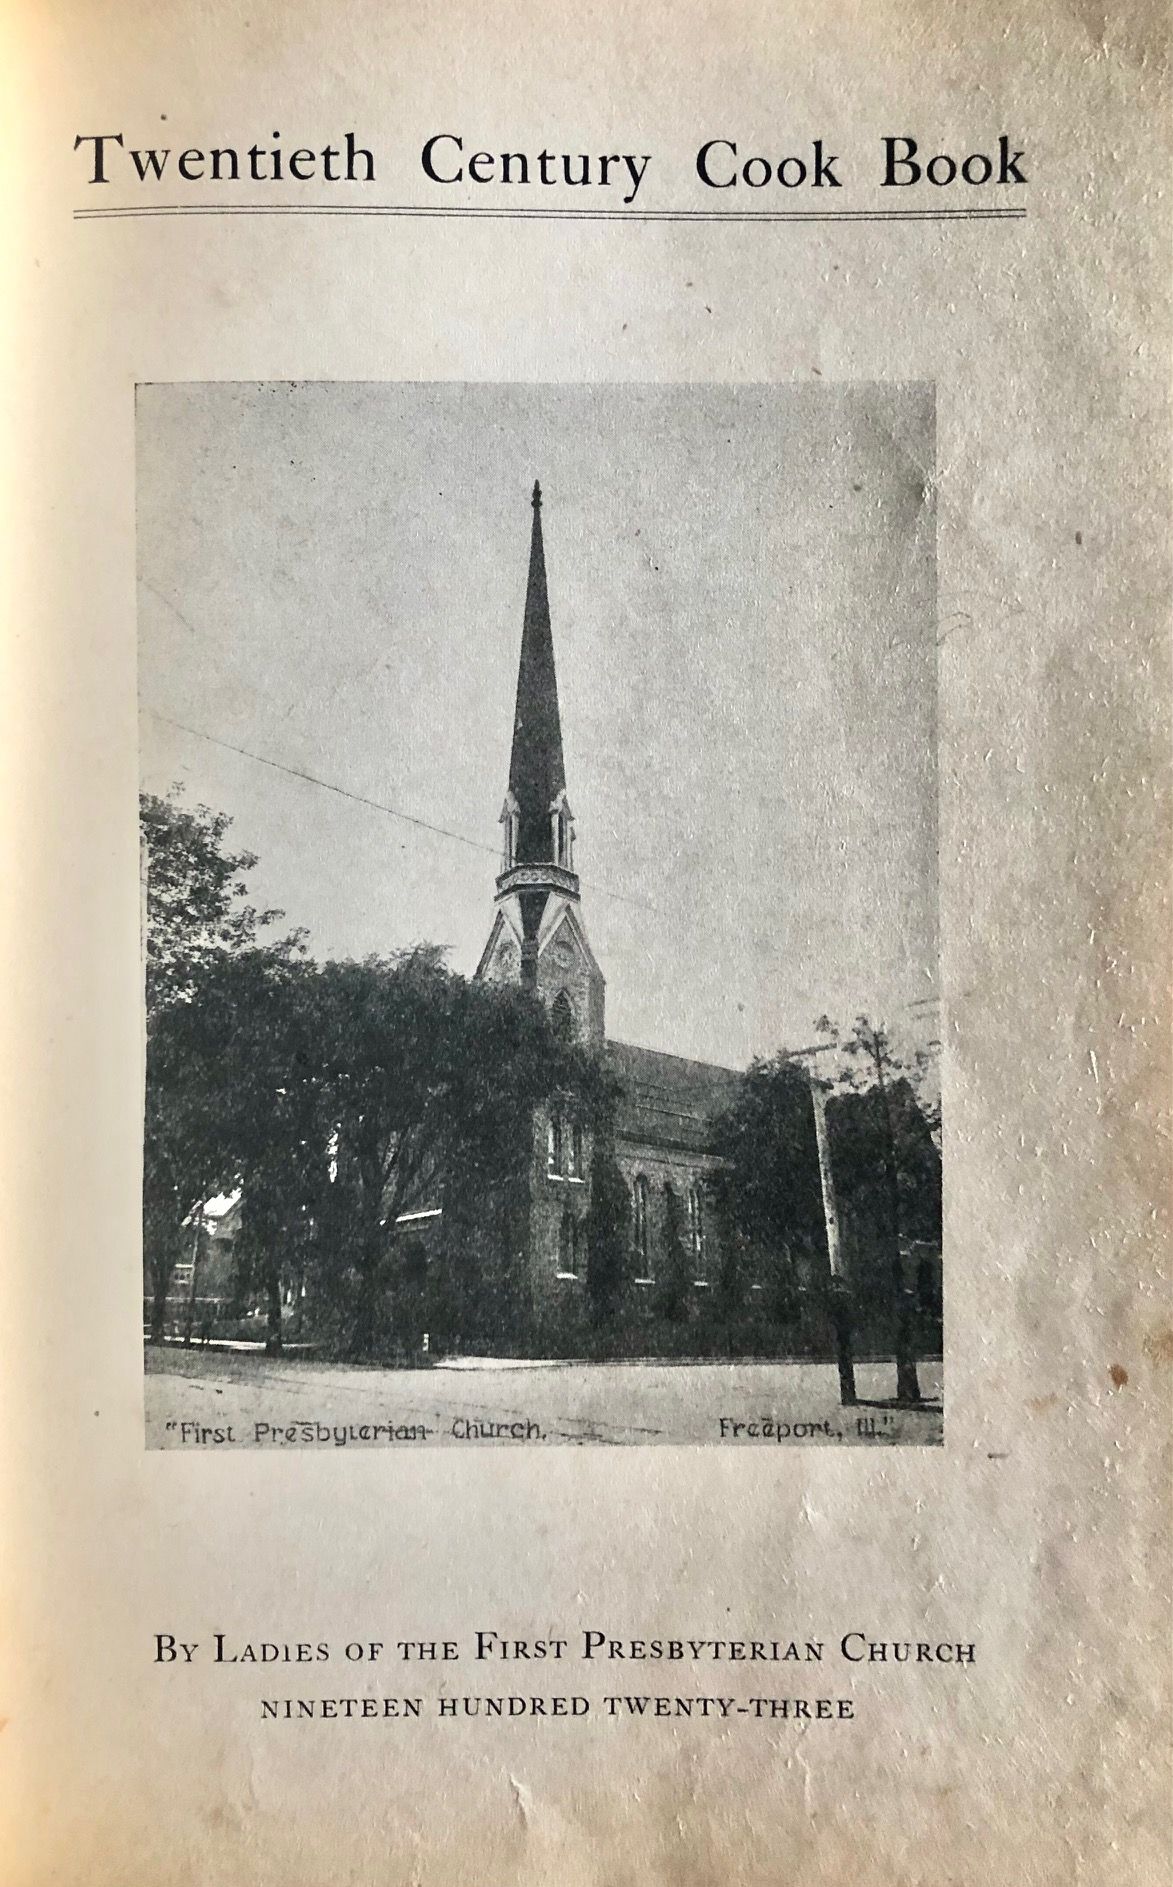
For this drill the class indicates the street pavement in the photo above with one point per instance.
(206, 1399)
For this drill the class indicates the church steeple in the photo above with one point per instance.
(537, 774)
(536, 817)
(538, 936)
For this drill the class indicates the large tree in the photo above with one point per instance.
(432, 1082)
(884, 1120)
(275, 1115)
(198, 923)
(768, 1183)
(186, 1155)
(885, 1170)
(884, 1125)
(337, 1098)
(197, 905)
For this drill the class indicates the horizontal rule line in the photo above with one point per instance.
(1009, 213)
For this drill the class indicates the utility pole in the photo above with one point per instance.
(907, 1385)
(840, 1288)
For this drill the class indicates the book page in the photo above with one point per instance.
(588, 1047)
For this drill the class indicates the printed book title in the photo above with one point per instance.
(448, 158)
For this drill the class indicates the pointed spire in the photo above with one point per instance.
(536, 771)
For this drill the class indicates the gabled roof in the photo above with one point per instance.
(667, 1099)
(500, 922)
(557, 917)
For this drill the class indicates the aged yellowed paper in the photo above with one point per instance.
(588, 710)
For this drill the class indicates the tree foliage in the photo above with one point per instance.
(672, 1269)
(197, 909)
(340, 1099)
(768, 1184)
(886, 1156)
(885, 1168)
(608, 1229)
(202, 954)
(432, 1083)
(884, 1124)
(336, 1097)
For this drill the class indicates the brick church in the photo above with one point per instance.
(668, 1105)
(504, 1269)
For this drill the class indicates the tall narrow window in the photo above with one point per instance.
(574, 1150)
(509, 828)
(554, 1144)
(696, 1231)
(568, 1245)
(639, 1229)
(562, 1016)
(562, 832)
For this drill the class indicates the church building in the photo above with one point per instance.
(663, 1141)
(512, 1262)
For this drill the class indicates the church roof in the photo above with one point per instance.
(667, 1099)
(536, 770)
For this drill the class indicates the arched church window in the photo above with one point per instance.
(562, 833)
(554, 1143)
(696, 1230)
(562, 1016)
(639, 1229)
(572, 1134)
(510, 821)
(568, 1245)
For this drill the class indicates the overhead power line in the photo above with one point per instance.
(377, 805)
(413, 819)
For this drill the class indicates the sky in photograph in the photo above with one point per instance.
(742, 592)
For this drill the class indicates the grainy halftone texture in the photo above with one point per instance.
(1040, 1530)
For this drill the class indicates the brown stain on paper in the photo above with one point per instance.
(1158, 1347)
(1039, 1405)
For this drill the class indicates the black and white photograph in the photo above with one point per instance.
(586, 986)
(539, 888)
